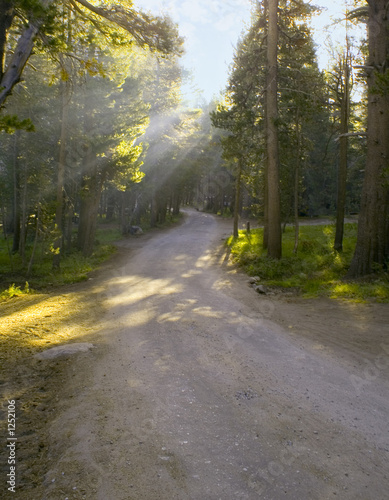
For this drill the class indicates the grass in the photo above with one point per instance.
(15, 291)
(74, 266)
(316, 270)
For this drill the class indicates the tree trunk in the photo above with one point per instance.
(88, 223)
(61, 177)
(238, 182)
(265, 166)
(31, 263)
(69, 214)
(90, 198)
(3, 213)
(162, 209)
(153, 206)
(24, 222)
(296, 205)
(92, 180)
(297, 183)
(7, 13)
(274, 249)
(343, 146)
(111, 201)
(176, 203)
(265, 210)
(371, 247)
(16, 197)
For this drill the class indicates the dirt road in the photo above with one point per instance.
(199, 388)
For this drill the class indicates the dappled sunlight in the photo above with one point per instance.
(222, 284)
(139, 288)
(181, 258)
(189, 310)
(328, 231)
(208, 312)
(38, 322)
(204, 260)
(179, 312)
(356, 293)
(163, 363)
(172, 317)
(191, 273)
(139, 317)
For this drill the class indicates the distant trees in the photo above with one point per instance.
(85, 121)
(106, 134)
(311, 115)
(163, 95)
(270, 106)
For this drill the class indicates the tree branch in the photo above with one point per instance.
(19, 59)
(147, 31)
(157, 33)
(351, 134)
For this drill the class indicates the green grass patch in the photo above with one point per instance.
(74, 266)
(15, 291)
(316, 269)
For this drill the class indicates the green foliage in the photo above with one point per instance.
(381, 83)
(316, 269)
(10, 123)
(15, 291)
(301, 98)
(74, 266)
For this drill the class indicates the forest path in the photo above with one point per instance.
(201, 389)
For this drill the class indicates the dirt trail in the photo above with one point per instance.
(199, 388)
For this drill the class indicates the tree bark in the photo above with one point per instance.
(343, 147)
(16, 198)
(372, 241)
(22, 52)
(176, 203)
(24, 216)
(153, 206)
(61, 177)
(91, 189)
(31, 263)
(265, 168)
(274, 249)
(238, 182)
(297, 184)
(7, 13)
(4, 218)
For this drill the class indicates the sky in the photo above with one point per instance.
(211, 29)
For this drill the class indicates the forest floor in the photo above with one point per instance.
(196, 386)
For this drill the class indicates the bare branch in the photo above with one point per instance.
(351, 134)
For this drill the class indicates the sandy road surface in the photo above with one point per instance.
(198, 388)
